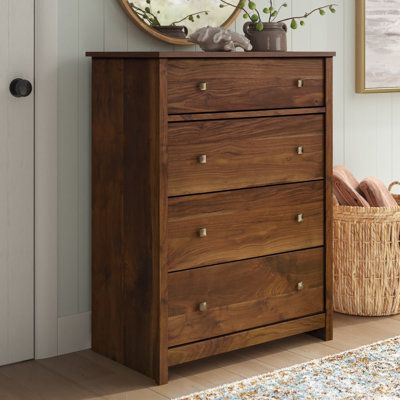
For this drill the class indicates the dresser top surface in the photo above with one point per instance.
(202, 54)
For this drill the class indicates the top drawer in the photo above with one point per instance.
(196, 86)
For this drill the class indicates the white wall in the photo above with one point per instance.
(366, 127)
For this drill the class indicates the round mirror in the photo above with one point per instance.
(173, 20)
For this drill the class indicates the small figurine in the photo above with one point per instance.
(219, 39)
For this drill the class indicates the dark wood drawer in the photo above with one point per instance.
(237, 85)
(229, 154)
(217, 300)
(218, 227)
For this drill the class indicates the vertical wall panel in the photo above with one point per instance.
(91, 36)
(337, 42)
(4, 273)
(16, 183)
(366, 133)
(20, 188)
(68, 131)
(116, 25)
(46, 177)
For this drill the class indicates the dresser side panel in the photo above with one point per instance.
(107, 208)
(143, 163)
(329, 197)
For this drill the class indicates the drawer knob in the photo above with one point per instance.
(300, 150)
(300, 83)
(300, 218)
(300, 286)
(202, 232)
(203, 86)
(202, 159)
(203, 306)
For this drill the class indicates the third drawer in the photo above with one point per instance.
(219, 227)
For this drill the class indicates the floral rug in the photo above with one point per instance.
(369, 372)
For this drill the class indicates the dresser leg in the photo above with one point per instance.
(325, 333)
(162, 377)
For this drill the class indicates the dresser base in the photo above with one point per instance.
(194, 351)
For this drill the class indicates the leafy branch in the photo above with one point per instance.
(191, 17)
(147, 15)
(321, 10)
(251, 12)
(150, 16)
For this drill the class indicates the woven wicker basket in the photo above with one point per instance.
(366, 260)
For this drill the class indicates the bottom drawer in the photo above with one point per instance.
(221, 299)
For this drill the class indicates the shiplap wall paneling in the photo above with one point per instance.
(46, 177)
(368, 118)
(68, 167)
(16, 184)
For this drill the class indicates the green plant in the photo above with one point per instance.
(151, 17)
(251, 12)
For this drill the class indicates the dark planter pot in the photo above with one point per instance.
(178, 31)
(271, 38)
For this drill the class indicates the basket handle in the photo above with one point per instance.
(393, 184)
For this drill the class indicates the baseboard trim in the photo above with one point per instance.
(74, 333)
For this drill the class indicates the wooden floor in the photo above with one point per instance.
(86, 375)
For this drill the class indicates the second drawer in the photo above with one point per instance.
(231, 154)
(218, 227)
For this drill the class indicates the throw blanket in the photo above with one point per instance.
(345, 188)
(376, 193)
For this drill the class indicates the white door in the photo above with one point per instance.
(16, 181)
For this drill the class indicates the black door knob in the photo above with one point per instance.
(20, 87)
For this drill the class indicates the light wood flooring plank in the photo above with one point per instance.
(89, 376)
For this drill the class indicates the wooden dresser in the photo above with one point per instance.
(211, 177)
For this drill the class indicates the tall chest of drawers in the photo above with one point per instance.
(211, 203)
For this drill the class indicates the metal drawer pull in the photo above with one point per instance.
(202, 159)
(300, 83)
(202, 232)
(203, 86)
(300, 286)
(300, 218)
(300, 150)
(203, 306)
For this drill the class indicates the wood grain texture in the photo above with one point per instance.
(107, 208)
(165, 218)
(244, 223)
(328, 334)
(195, 351)
(160, 234)
(127, 217)
(244, 294)
(244, 153)
(273, 84)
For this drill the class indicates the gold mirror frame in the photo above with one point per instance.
(172, 40)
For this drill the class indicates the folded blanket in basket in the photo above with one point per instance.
(345, 188)
(376, 193)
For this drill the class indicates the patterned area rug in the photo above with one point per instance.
(369, 372)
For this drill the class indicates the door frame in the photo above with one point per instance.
(45, 127)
